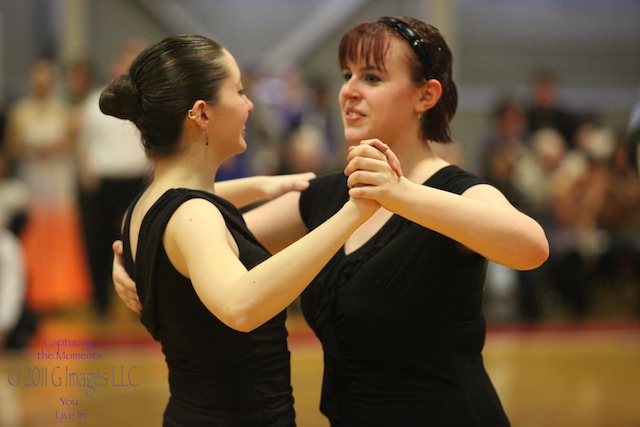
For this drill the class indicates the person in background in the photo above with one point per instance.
(577, 195)
(17, 322)
(112, 167)
(80, 79)
(38, 143)
(508, 292)
(546, 110)
(211, 294)
(398, 309)
(506, 142)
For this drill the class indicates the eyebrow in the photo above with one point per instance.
(368, 68)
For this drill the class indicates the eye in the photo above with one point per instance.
(346, 76)
(371, 78)
(242, 91)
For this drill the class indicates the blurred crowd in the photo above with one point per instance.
(579, 178)
(68, 172)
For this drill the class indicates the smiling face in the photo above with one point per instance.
(380, 100)
(229, 116)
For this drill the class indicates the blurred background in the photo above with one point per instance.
(548, 112)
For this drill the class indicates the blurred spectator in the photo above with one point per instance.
(533, 171)
(620, 217)
(111, 167)
(578, 194)
(503, 147)
(80, 76)
(633, 137)
(80, 80)
(291, 118)
(38, 142)
(546, 110)
(305, 151)
(3, 123)
(319, 116)
(531, 178)
(17, 322)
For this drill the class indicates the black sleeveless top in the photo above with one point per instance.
(400, 321)
(217, 376)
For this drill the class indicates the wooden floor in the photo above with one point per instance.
(551, 375)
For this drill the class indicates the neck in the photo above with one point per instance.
(186, 170)
(418, 160)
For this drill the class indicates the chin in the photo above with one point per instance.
(354, 138)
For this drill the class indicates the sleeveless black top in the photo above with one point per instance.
(217, 376)
(400, 321)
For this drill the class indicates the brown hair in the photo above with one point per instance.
(162, 84)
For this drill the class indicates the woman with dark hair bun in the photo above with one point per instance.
(399, 308)
(210, 292)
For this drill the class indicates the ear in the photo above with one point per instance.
(198, 114)
(430, 93)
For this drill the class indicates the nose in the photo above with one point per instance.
(250, 105)
(350, 89)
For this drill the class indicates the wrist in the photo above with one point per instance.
(360, 209)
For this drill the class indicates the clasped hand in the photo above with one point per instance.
(372, 170)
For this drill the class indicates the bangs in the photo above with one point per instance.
(366, 43)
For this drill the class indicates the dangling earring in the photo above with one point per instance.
(420, 116)
(206, 139)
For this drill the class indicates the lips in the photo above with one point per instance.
(352, 114)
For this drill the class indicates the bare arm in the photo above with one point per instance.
(199, 245)
(481, 219)
(276, 224)
(246, 191)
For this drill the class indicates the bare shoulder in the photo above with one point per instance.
(195, 214)
(196, 229)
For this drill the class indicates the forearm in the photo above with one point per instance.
(271, 286)
(242, 191)
(246, 191)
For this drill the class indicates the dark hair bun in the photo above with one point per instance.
(121, 99)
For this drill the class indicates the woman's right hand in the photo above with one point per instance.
(370, 164)
(372, 170)
(122, 282)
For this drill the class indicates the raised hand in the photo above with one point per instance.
(372, 168)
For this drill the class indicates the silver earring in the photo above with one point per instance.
(420, 116)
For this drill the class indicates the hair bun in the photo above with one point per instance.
(121, 99)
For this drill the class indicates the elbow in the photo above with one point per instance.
(243, 325)
(538, 256)
(535, 254)
(240, 319)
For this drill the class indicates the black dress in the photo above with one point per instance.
(217, 376)
(400, 321)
